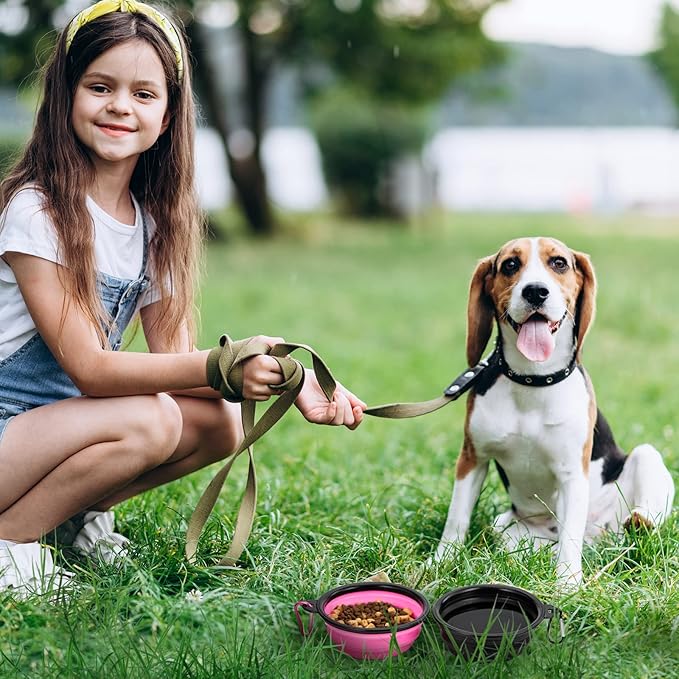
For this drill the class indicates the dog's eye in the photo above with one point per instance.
(558, 264)
(510, 266)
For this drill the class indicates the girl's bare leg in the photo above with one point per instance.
(211, 430)
(59, 459)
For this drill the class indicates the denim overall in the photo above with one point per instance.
(32, 377)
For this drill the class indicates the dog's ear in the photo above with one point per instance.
(585, 305)
(480, 311)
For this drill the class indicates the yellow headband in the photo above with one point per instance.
(108, 6)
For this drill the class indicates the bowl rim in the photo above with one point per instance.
(320, 603)
(512, 593)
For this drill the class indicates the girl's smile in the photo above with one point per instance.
(114, 130)
(120, 103)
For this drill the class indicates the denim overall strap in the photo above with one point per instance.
(32, 377)
(120, 296)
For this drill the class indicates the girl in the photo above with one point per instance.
(100, 222)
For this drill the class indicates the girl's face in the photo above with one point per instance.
(120, 104)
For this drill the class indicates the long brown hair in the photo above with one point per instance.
(58, 165)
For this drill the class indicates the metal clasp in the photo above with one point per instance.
(552, 613)
(310, 608)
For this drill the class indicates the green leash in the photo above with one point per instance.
(225, 374)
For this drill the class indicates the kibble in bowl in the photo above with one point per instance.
(368, 619)
(371, 615)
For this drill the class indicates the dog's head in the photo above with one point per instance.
(530, 286)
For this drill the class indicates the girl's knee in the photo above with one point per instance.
(220, 428)
(169, 418)
(155, 428)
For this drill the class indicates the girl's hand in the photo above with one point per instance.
(259, 372)
(345, 408)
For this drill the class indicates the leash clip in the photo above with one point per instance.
(464, 381)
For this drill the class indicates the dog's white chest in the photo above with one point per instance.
(509, 409)
(537, 434)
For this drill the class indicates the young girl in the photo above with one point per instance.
(100, 222)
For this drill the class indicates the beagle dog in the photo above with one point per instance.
(533, 411)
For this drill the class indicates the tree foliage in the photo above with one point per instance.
(666, 57)
(392, 50)
(27, 35)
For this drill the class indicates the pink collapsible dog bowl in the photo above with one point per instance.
(359, 642)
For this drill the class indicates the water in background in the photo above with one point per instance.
(526, 169)
(293, 166)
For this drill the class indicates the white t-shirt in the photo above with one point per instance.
(25, 227)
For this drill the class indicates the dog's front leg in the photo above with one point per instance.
(470, 474)
(571, 510)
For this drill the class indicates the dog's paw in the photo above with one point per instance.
(445, 551)
(568, 577)
(638, 521)
(568, 584)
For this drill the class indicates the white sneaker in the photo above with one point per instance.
(97, 538)
(28, 568)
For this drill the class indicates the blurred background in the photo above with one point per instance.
(397, 108)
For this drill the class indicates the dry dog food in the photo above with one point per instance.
(371, 615)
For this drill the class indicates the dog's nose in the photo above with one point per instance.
(535, 294)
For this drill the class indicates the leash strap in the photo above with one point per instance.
(225, 374)
(453, 391)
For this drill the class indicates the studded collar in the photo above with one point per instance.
(485, 372)
(498, 358)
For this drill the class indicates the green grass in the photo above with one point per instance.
(386, 308)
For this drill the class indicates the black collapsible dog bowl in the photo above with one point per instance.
(491, 618)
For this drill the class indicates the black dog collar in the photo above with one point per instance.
(484, 373)
(532, 380)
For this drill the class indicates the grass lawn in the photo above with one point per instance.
(386, 308)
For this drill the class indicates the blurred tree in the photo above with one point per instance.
(394, 50)
(666, 57)
(390, 59)
(361, 138)
(26, 30)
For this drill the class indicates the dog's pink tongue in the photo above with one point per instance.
(535, 341)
